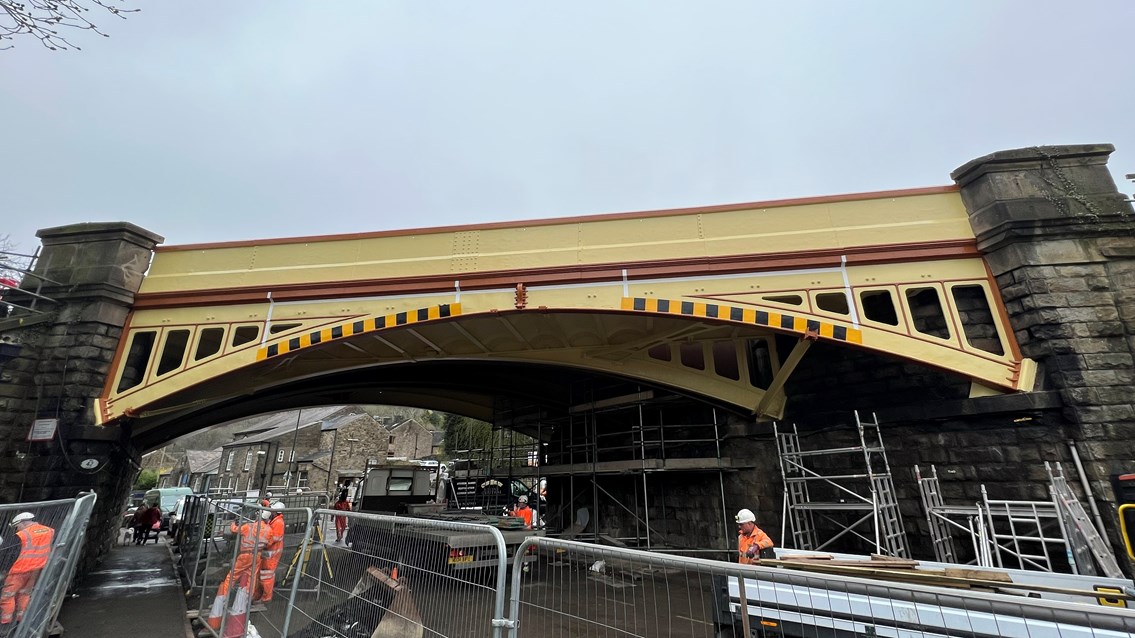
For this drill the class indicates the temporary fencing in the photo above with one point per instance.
(587, 590)
(31, 598)
(238, 564)
(394, 576)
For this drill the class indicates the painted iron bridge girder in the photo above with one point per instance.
(247, 317)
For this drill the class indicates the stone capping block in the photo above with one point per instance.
(999, 404)
(1027, 158)
(100, 231)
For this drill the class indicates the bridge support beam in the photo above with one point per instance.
(90, 272)
(1060, 240)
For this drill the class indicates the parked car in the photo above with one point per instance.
(166, 498)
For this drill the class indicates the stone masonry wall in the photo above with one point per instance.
(91, 271)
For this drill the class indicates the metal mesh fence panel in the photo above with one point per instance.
(582, 590)
(60, 571)
(37, 559)
(393, 576)
(240, 559)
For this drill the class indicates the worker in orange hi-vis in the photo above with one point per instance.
(272, 552)
(752, 541)
(252, 539)
(523, 511)
(35, 548)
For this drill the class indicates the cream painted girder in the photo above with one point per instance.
(591, 298)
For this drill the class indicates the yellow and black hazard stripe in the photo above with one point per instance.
(357, 327)
(780, 320)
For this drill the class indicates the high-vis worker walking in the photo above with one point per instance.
(272, 552)
(35, 548)
(252, 539)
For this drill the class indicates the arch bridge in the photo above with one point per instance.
(689, 300)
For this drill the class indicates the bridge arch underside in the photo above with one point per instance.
(469, 364)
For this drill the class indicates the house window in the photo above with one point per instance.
(280, 456)
(229, 463)
(247, 460)
(302, 481)
(392, 439)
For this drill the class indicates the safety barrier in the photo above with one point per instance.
(387, 576)
(31, 599)
(238, 562)
(589, 590)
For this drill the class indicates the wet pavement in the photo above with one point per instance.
(134, 592)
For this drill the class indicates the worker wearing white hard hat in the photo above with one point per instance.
(35, 549)
(523, 511)
(272, 552)
(752, 541)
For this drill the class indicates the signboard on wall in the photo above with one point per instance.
(43, 429)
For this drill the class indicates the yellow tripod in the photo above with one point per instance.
(305, 549)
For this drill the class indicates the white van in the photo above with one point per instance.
(165, 498)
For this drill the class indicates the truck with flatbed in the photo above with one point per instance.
(831, 595)
(407, 492)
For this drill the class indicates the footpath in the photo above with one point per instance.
(135, 592)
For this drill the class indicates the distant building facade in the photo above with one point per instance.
(410, 439)
(316, 454)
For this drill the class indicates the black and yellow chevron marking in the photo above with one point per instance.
(779, 320)
(357, 327)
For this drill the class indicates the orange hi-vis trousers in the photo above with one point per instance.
(240, 576)
(268, 573)
(16, 595)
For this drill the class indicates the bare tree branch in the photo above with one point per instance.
(45, 19)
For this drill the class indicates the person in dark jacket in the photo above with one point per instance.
(144, 519)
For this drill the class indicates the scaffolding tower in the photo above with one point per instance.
(860, 502)
(1038, 535)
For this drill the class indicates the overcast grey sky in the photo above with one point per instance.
(212, 121)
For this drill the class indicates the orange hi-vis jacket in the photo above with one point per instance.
(35, 547)
(525, 513)
(275, 536)
(744, 541)
(253, 536)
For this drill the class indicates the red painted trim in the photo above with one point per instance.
(720, 208)
(432, 284)
(999, 306)
(117, 360)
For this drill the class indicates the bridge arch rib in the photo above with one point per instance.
(675, 298)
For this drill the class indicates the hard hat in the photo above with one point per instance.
(22, 516)
(277, 505)
(265, 515)
(746, 516)
(523, 499)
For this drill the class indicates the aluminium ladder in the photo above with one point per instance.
(868, 496)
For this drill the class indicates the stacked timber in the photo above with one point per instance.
(903, 570)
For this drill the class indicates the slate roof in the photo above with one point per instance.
(198, 460)
(268, 422)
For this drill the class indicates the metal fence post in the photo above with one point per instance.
(296, 580)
